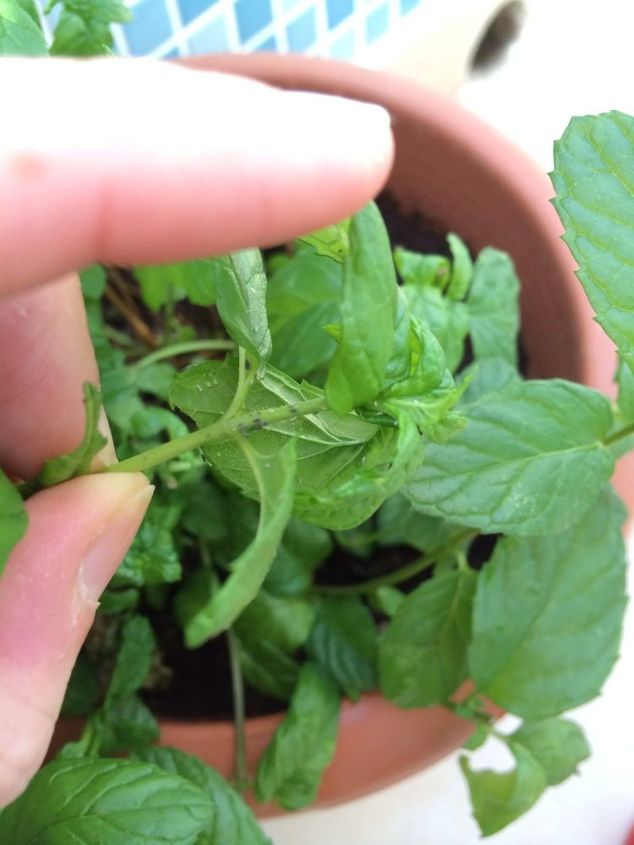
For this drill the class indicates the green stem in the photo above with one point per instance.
(621, 434)
(184, 348)
(243, 424)
(239, 714)
(404, 573)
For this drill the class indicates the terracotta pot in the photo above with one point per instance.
(460, 172)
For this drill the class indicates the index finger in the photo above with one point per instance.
(137, 162)
(132, 161)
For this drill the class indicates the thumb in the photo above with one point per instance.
(78, 534)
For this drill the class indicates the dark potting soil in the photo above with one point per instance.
(200, 685)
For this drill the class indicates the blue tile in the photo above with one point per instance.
(377, 23)
(344, 47)
(269, 45)
(301, 32)
(252, 16)
(212, 38)
(150, 26)
(338, 10)
(408, 5)
(191, 9)
(174, 53)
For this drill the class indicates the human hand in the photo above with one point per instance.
(124, 162)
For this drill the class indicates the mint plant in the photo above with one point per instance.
(356, 489)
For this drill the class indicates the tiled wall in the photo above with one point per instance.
(338, 28)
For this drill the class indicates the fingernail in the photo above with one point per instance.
(353, 126)
(107, 456)
(109, 547)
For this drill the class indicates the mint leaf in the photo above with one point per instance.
(423, 652)
(593, 177)
(20, 33)
(367, 312)
(115, 801)
(134, 658)
(291, 768)
(234, 823)
(270, 630)
(240, 283)
(78, 461)
(625, 381)
(500, 798)
(191, 280)
(330, 449)
(400, 524)
(125, 724)
(274, 476)
(558, 745)
(286, 622)
(493, 304)
(380, 473)
(547, 615)
(83, 28)
(302, 549)
(344, 641)
(302, 297)
(331, 241)
(530, 460)
(13, 518)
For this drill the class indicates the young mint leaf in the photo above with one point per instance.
(13, 518)
(302, 297)
(302, 549)
(134, 658)
(500, 798)
(291, 768)
(240, 283)
(344, 641)
(93, 282)
(477, 739)
(547, 615)
(593, 177)
(20, 32)
(78, 461)
(367, 311)
(493, 304)
(191, 280)
(331, 241)
(530, 460)
(153, 557)
(83, 28)
(425, 279)
(274, 476)
(234, 823)
(462, 268)
(558, 745)
(386, 600)
(115, 801)
(423, 652)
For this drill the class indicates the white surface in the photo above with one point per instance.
(574, 57)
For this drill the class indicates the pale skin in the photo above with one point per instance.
(124, 162)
